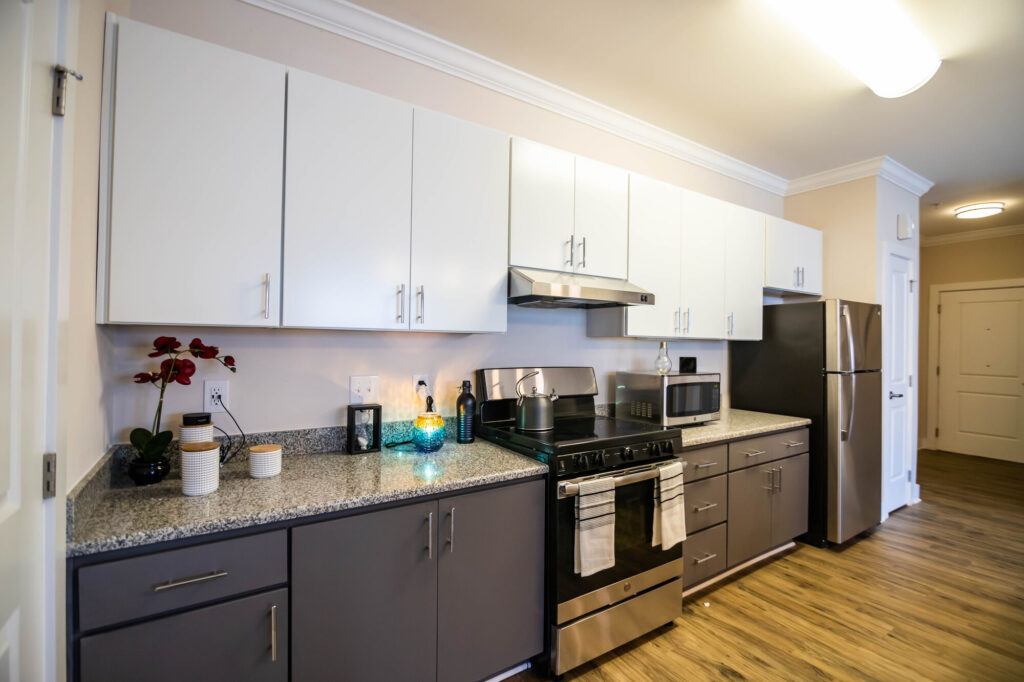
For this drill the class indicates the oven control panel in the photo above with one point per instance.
(596, 460)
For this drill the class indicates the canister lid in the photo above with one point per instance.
(199, 447)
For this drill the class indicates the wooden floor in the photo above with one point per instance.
(935, 593)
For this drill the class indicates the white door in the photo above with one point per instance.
(899, 342)
(981, 373)
(541, 207)
(602, 219)
(348, 199)
(702, 273)
(654, 239)
(30, 139)
(744, 274)
(196, 177)
(459, 225)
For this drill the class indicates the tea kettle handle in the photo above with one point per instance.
(522, 379)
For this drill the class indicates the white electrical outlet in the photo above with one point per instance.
(215, 393)
(363, 389)
(417, 378)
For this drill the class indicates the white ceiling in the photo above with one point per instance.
(731, 75)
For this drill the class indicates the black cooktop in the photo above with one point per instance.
(581, 430)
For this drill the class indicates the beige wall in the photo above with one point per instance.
(974, 261)
(294, 379)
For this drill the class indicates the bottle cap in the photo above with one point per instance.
(466, 386)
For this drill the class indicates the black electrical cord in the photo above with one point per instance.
(224, 455)
(241, 445)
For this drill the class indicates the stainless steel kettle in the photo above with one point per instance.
(535, 411)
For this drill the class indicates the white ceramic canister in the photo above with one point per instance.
(265, 460)
(195, 434)
(200, 468)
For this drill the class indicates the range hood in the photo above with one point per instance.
(546, 289)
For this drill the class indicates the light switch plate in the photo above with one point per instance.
(363, 389)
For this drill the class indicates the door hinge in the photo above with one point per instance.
(909, 479)
(910, 381)
(936, 431)
(939, 311)
(49, 475)
(912, 285)
(60, 87)
(937, 368)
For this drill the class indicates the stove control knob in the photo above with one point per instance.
(598, 458)
(580, 461)
(667, 446)
(627, 454)
(561, 466)
(655, 450)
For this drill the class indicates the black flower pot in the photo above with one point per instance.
(148, 473)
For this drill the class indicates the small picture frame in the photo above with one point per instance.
(364, 428)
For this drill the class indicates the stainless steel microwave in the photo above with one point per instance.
(668, 399)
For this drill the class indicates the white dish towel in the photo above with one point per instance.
(669, 507)
(595, 526)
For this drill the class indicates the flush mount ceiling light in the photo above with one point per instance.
(972, 211)
(874, 39)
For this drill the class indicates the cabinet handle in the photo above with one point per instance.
(266, 296)
(770, 473)
(709, 505)
(796, 277)
(705, 465)
(400, 303)
(706, 557)
(192, 580)
(583, 259)
(778, 486)
(451, 530)
(572, 251)
(273, 632)
(687, 320)
(802, 271)
(430, 535)
(678, 316)
(755, 453)
(732, 325)
(421, 304)
(793, 443)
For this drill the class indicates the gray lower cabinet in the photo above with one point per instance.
(243, 639)
(767, 506)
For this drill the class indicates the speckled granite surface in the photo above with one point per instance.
(739, 424)
(309, 484)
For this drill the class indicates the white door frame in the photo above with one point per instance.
(935, 292)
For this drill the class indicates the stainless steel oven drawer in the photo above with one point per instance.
(705, 462)
(589, 637)
(745, 453)
(705, 503)
(704, 554)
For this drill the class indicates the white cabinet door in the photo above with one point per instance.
(654, 242)
(459, 225)
(702, 273)
(541, 207)
(792, 257)
(347, 207)
(744, 274)
(602, 214)
(195, 203)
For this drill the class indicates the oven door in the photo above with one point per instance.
(638, 565)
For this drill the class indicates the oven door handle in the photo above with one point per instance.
(572, 488)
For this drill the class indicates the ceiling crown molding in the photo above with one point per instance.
(881, 166)
(972, 235)
(362, 25)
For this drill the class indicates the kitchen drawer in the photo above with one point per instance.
(745, 453)
(705, 462)
(147, 585)
(704, 554)
(705, 503)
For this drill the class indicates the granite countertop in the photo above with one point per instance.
(739, 424)
(309, 484)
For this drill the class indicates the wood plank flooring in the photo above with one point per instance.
(935, 593)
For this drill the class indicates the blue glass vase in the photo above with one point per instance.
(428, 432)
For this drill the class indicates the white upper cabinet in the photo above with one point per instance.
(459, 226)
(792, 257)
(348, 199)
(541, 207)
(193, 231)
(601, 219)
(744, 274)
(654, 248)
(702, 271)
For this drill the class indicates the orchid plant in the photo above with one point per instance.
(151, 443)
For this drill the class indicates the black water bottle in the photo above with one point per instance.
(465, 413)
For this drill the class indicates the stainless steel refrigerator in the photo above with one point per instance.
(823, 360)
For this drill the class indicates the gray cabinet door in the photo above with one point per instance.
(789, 503)
(364, 596)
(490, 581)
(750, 513)
(229, 641)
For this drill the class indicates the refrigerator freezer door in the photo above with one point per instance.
(853, 336)
(854, 453)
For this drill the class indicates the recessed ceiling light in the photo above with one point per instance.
(972, 211)
(874, 39)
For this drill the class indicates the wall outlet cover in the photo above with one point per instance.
(212, 390)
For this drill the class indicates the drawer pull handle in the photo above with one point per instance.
(706, 557)
(170, 584)
(792, 444)
(273, 632)
(705, 465)
(755, 453)
(709, 505)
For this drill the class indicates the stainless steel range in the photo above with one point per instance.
(588, 616)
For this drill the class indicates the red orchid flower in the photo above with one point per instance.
(229, 361)
(164, 345)
(177, 370)
(147, 377)
(201, 350)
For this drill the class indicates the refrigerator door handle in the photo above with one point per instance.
(847, 394)
(844, 312)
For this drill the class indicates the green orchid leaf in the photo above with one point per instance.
(140, 438)
(156, 446)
